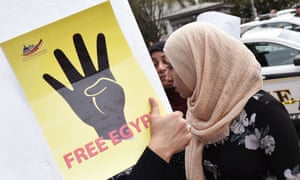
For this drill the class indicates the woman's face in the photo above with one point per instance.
(162, 67)
(180, 86)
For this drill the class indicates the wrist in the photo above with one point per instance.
(162, 152)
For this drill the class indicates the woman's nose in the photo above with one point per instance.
(162, 67)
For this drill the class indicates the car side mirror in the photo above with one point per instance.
(297, 60)
(297, 28)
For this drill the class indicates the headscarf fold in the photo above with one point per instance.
(222, 75)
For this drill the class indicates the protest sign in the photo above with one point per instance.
(88, 91)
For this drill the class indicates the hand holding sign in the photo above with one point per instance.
(96, 97)
(169, 134)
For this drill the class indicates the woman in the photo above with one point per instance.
(177, 103)
(239, 131)
(162, 68)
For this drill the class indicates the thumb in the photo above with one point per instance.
(154, 108)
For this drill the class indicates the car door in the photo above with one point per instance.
(281, 73)
(283, 82)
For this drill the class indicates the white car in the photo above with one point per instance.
(278, 52)
(285, 21)
(284, 12)
(273, 46)
(288, 12)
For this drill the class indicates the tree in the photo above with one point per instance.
(242, 8)
(149, 14)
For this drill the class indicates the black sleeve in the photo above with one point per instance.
(149, 167)
(286, 155)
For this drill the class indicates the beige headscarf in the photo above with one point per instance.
(222, 74)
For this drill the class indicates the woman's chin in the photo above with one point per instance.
(168, 86)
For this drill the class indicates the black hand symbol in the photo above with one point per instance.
(96, 97)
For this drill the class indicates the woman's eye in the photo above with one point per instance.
(169, 65)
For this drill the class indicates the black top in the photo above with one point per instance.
(149, 167)
(177, 161)
(177, 103)
(262, 144)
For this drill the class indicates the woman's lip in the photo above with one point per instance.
(170, 81)
(163, 77)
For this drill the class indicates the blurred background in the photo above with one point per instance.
(158, 18)
(270, 29)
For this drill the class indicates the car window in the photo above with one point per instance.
(283, 25)
(272, 54)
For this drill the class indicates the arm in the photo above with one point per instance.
(286, 155)
(169, 135)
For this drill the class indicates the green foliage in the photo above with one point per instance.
(147, 14)
(243, 9)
